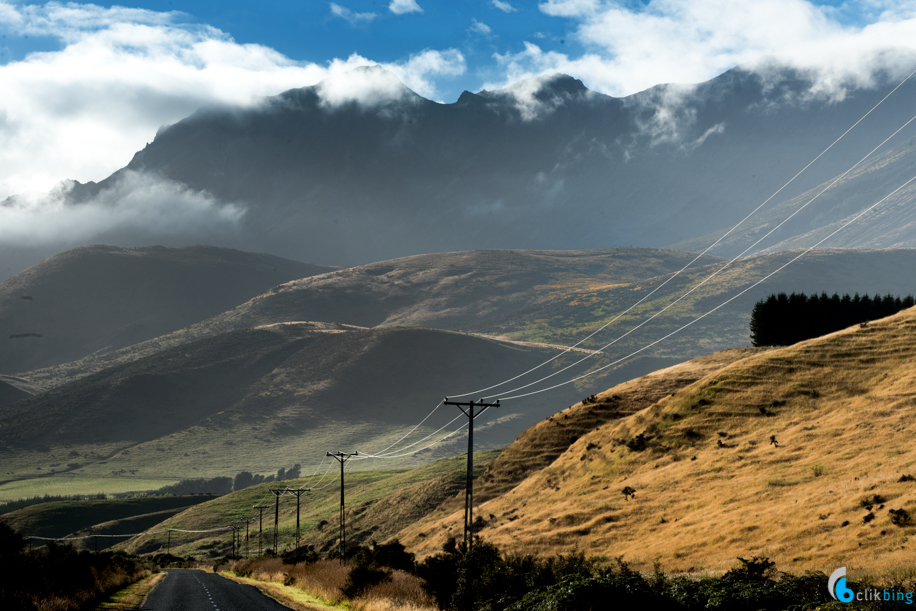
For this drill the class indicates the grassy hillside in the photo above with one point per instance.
(264, 398)
(709, 485)
(99, 298)
(379, 504)
(555, 298)
(530, 297)
(452, 291)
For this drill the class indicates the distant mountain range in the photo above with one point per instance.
(540, 165)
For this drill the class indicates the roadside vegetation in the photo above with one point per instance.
(57, 577)
(384, 577)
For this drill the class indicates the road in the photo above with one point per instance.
(189, 590)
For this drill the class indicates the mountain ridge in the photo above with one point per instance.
(544, 164)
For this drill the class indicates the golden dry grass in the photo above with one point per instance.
(841, 408)
(402, 593)
(325, 579)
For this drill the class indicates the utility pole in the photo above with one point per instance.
(261, 509)
(468, 410)
(277, 493)
(298, 492)
(247, 521)
(342, 458)
(168, 548)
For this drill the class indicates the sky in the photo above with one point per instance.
(84, 86)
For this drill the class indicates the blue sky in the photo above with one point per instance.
(85, 85)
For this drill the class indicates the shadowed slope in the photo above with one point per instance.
(99, 298)
(265, 397)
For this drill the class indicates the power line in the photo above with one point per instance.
(724, 303)
(718, 271)
(708, 248)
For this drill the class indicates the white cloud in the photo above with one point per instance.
(352, 16)
(370, 87)
(503, 6)
(633, 46)
(83, 111)
(479, 27)
(136, 202)
(399, 7)
(569, 8)
(418, 69)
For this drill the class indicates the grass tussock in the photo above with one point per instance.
(323, 579)
(374, 578)
(403, 592)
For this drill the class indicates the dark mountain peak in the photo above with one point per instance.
(541, 88)
(467, 97)
(561, 84)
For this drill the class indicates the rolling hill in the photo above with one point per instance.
(96, 299)
(711, 485)
(266, 397)
(452, 291)
(695, 442)
(556, 298)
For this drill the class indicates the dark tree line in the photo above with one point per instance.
(225, 485)
(781, 320)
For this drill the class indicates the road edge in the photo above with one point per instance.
(277, 593)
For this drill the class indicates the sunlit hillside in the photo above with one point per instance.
(709, 483)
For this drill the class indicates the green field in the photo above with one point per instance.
(66, 485)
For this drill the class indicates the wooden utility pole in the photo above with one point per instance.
(277, 493)
(342, 458)
(468, 409)
(261, 509)
(247, 521)
(298, 492)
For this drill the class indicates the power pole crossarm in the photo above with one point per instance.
(471, 409)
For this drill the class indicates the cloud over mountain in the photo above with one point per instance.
(134, 202)
(631, 47)
(81, 111)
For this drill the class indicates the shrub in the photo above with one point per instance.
(899, 517)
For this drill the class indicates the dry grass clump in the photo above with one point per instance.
(403, 592)
(323, 578)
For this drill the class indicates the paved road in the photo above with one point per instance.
(188, 590)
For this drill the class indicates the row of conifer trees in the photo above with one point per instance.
(781, 320)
